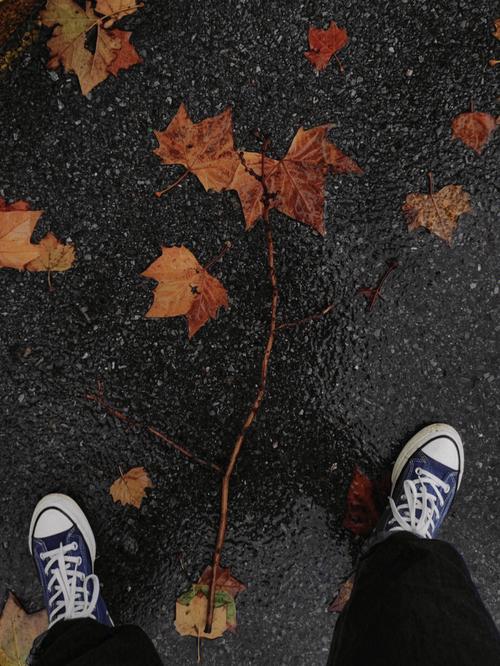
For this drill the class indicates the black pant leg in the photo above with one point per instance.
(88, 643)
(414, 604)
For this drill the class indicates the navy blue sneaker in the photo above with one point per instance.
(63, 547)
(425, 479)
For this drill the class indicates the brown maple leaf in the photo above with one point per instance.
(72, 27)
(17, 223)
(206, 148)
(474, 129)
(296, 182)
(438, 212)
(184, 288)
(18, 630)
(324, 44)
(191, 607)
(130, 488)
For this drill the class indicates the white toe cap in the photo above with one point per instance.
(444, 451)
(51, 521)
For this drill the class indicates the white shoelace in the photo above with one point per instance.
(419, 498)
(71, 598)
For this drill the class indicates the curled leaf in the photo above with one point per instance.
(18, 630)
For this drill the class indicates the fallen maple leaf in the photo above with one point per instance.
(362, 513)
(191, 607)
(324, 44)
(184, 288)
(54, 256)
(130, 488)
(438, 212)
(296, 183)
(18, 630)
(342, 597)
(72, 26)
(206, 148)
(474, 129)
(17, 223)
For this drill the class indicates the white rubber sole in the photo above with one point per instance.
(421, 439)
(74, 513)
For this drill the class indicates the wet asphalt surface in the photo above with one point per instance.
(346, 390)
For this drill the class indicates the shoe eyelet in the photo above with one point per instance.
(418, 470)
(74, 545)
(79, 561)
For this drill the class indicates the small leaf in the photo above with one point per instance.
(342, 597)
(184, 288)
(18, 630)
(474, 129)
(54, 256)
(192, 606)
(438, 212)
(362, 513)
(130, 488)
(324, 44)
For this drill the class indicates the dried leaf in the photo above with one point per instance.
(191, 607)
(54, 256)
(206, 148)
(297, 182)
(127, 55)
(184, 288)
(496, 32)
(362, 513)
(438, 212)
(17, 223)
(324, 44)
(343, 596)
(116, 9)
(474, 129)
(72, 25)
(130, 488)
(18, 630)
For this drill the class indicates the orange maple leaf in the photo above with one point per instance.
(72, 26)
(324, 44)
(206, 148)
(130, 488)
(438, 212)
(474, 129)
(296, 183)
(184, 288)
(17, 223)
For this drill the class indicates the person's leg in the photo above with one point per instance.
(413, 600)
(81, 631)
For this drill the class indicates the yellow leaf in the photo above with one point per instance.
(190, 620)
(130, 488)
(16, 227)
(18, 630)
(54, 255)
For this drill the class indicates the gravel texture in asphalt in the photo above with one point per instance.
(343, 391)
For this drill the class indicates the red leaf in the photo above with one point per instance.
(324, 44)
(362, 513)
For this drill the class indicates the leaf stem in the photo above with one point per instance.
(174, 184)
(221, 533)
(305, 320)
(226, 247)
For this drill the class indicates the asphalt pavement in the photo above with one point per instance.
(345, 390)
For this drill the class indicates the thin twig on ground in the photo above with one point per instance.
(374, 293)
(305, 320)
(99, 398)
(223, 516)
